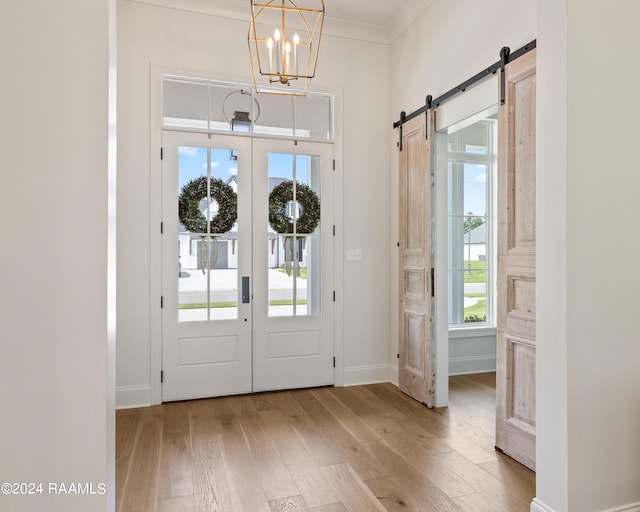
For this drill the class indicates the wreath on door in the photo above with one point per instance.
(282, 223)
(281, 196)
(190, 213)
(191, 217)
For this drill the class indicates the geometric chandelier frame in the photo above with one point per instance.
(284, 40)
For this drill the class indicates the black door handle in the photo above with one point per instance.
(245, 290)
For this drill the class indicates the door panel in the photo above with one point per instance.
(246, 308)
(293, 248)
(416, 371)
(206, 326)
(516, 332)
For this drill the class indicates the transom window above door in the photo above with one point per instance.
(190, 104)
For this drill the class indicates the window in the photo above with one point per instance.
(192, 104)
(471, 161)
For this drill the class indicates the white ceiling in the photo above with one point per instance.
(380, 21)
(385, 18)
(369, 12)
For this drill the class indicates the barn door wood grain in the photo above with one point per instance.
(416, 346)
(516, 272)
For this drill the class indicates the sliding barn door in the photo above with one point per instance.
(516, 298)
(416, 365)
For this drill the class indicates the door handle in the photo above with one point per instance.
(245, 290)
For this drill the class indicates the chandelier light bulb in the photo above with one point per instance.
(296, 42)
(270, 47)
(287, 51)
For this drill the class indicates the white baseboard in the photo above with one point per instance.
(133, 396)
(632, 507)
(359, 375)
(394, 377)
(538, 506)
(475, 364)
(140, 396)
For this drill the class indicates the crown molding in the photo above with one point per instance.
(238, 10)
(406, 17)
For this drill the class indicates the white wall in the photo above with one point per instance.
(551, 259)
(588, 352)
(153, 38)
(452, 41)
(472, 351)
(53, 307)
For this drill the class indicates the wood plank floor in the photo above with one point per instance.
(356, 449)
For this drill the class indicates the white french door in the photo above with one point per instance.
(293, 277)
(206, 324)
(245, 307)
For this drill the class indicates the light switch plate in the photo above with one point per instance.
(354, 255)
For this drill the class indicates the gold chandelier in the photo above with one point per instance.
(284, 38)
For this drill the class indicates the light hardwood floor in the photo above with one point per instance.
(357, 449)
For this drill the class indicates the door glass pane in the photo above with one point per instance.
(207, 234)
(294, 248)
(475, 189)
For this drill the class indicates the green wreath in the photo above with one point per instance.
(281, 195)
(189, 205)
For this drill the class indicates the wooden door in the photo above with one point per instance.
(416, 343)
(516, 272)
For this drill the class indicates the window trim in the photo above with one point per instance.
(478, 330)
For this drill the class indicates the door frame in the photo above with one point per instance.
(156, 72)
(453, 114)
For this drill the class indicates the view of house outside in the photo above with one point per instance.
(208, 262)
(471, 159)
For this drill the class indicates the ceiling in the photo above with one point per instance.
(376, 13)
(380, 21)
(389, 18)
